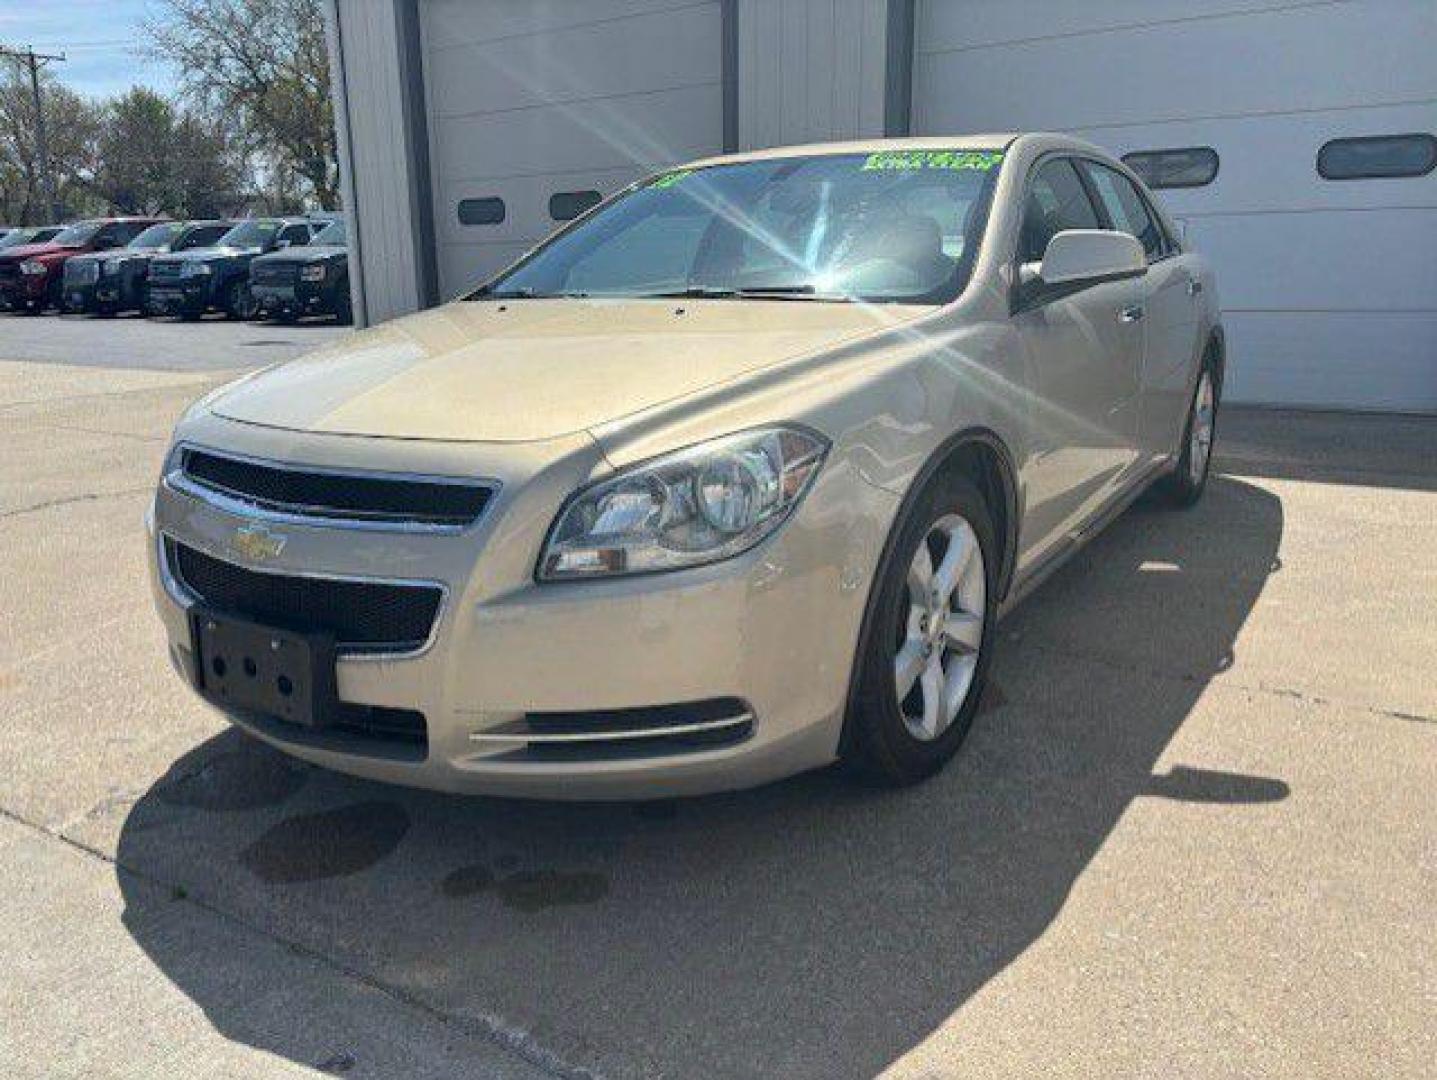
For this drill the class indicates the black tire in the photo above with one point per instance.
(239, 301)
(878, 745)
(1184, 486)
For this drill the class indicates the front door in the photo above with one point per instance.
(1084, 355)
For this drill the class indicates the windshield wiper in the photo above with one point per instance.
(763, 292)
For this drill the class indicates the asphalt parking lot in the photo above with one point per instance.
(1193, 833)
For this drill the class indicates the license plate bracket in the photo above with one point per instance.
(279, 673)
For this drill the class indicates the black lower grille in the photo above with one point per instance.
(367, 616)
(342, 496)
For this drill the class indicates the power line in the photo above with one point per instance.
(34, 61)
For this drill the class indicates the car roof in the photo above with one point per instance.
(999, 140)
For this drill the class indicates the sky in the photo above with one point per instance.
(99, 38)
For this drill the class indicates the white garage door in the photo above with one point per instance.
(1330, 285)
(535, 104)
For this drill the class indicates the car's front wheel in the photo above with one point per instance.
(928, 639)
(1185, 484)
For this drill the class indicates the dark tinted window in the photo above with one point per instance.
(296, 234)
(567, 205)
(1126, 209)
(202, 236)
(1191, 166)
(489, 211)
(1056, 201)
(1375, 156)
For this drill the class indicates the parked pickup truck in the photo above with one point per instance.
(110, 282)
(309, 280)
(31, 275)
(190, 283)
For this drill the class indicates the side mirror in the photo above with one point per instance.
(1088, 256)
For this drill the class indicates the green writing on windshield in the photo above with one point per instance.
(669, 179)
(933, 159)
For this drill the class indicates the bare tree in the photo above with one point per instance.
(264, 64)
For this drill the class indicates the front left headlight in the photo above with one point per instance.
(195, 269)
(313, 272)
(112, 267)
(708, 502)
(31, 266)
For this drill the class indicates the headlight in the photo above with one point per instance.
(112, 266)
(195, 269)
(696, 506)
(30, 266)
(314, 272)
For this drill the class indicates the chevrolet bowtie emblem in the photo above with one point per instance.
(257, 543)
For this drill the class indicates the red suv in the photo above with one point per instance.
(31, 274)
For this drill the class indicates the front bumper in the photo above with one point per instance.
(774, 629)
(24, 291)
(78, 297)
(178, 297)
(300, 298)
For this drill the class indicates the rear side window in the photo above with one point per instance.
(1377, 157)
(489, 211)
(1188, 166)
(567, 205)
(1056, 201)
(1126, 209)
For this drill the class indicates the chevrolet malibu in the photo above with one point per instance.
(729, 479)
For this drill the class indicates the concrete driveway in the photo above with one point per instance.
(1192, 833)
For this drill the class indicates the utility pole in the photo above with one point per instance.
(33, 60)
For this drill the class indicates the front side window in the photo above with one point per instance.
(1377, 157)
(894, 226)
(1126, 209)
(251, 234)
(1056, 201)
(1188, 166)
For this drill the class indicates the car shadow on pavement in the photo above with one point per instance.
(807, 929)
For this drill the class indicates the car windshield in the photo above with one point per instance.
(18, 236)
(892, 226)
(156, 235)
(333, 233)
(77, 234)
(248, 234)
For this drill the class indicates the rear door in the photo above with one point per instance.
(1172, 302)
(1084, 357)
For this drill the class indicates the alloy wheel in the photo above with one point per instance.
(1203, 418)
(941, 627)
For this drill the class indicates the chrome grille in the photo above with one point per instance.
(398, 501)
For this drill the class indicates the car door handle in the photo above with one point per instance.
(1194, 287)
(1131, 314)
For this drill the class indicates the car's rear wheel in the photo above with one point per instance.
(929, 638)
(1185, 484)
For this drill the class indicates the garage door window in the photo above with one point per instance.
(1056, 201)
(1189, 166)
(1126, 209)
(1377, 156)
(489, 211)
(567, 205)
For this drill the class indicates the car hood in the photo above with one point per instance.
(26, 251)
(305, 254)
(207, 254)
(483, 371)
